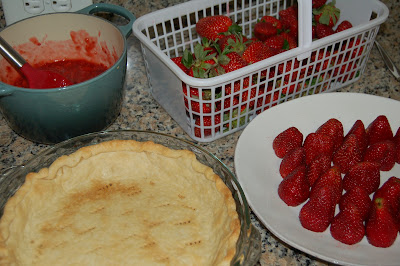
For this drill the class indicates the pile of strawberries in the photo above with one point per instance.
(329, 169)
(224, 49)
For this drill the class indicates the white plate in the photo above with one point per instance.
(257, 169)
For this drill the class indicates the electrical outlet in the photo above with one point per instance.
(15, 10)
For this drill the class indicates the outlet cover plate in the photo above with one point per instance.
(15, 10)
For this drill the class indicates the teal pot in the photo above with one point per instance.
(53, 115)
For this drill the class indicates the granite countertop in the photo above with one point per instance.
(141, 111)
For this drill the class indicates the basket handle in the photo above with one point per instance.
(305, 27)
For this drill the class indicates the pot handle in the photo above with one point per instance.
(119, 10)
(6, 90)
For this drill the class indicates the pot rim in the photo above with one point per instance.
(84, 12)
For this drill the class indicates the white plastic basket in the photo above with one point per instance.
(167, 33)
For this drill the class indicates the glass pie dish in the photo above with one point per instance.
(248, 246)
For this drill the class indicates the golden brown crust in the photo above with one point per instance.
(121, 202)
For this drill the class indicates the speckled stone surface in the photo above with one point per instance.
(141, 111)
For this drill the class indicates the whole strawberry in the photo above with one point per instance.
(257, 51)
(263, 30)
(390, 191)
(327, 15)
(358, 129)
(318, 212)
(344, 25)
(317, 167)
(347, 226)
(396, 140)
(379, 130)
(286, 141)
(316, 144)
(231, 61)
(381, 228)
(212, 27)
(360, 198)
(207, 123)
(348, 155)
(334, 129)
(318, 3)
(383, 153)
(294, 188)
(365, 175)
(331, 179)
(322, 31)
(291, 161)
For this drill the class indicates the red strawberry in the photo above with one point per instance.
(327, 15)
(318, 3)
(289, 16)
(390, 191)
(319, 210)
(273, 20)
(289, 41)
(317, 167)
(211, 27)
(331, 179)
(383, 153)
(236, 42)
(334, 129)
(360, 198)
(381, 228)
(207, 122)
(344, 25)
(294, 188)
(231, 62)
(379, 130)
(289, 66)
(316, 144)
(286, 141)
(322, 61)
(358, 129)
(365, 175)
(275, 42)
(291, 161)
(396, 140)
(323, 31)
(348, 155)
(257, 51)
(179, 63)
(263, 30)
(347, 226)
(354, 48)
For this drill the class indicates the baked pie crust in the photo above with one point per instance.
(121, 202)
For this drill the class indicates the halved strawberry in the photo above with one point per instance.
(291, 161)
(379, 130)
(286, 141)
(316, 144)
(365, 175)
(360, 198)
(332, 179)
(383, 153)
(348, 155)
(381, 227)
(294, 188)
(334, 129)
(396, 140)
(317, 167)
(348, 226)
(318, 212)
(358, 129)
